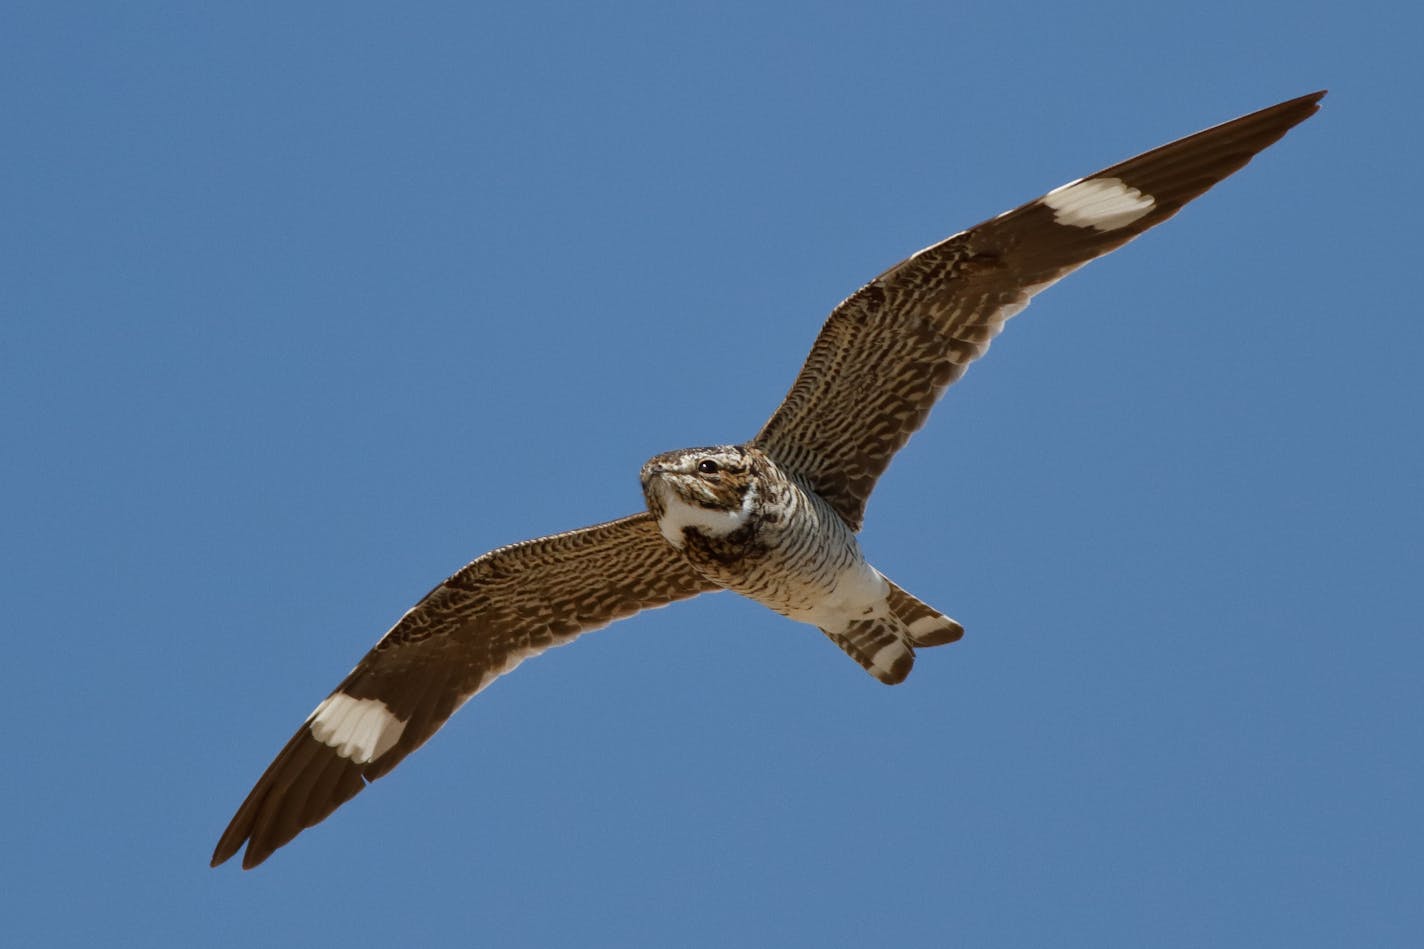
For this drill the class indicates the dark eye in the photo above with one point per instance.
(707, 466)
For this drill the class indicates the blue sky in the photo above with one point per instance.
(306, 306)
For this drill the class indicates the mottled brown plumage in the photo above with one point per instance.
(774, 519)
(504, 607)
(889, 351)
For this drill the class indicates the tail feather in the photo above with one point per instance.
(879, 648)
(884, 646)
(923, 624)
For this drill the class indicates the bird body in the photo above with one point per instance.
(752, 528)
(774, 519)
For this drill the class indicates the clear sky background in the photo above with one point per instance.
(306, 305)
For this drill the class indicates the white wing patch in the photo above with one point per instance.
(359, 729)
(1104, 204)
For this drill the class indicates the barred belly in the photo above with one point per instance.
(796, 557)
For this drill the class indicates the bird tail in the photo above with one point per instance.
(885, 646)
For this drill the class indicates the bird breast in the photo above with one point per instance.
(789, 551)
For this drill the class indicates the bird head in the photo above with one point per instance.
(711, 490)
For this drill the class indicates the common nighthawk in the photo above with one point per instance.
(774, 519)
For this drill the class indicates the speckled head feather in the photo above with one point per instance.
(716, 477)
(712, 490)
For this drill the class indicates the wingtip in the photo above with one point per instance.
(1308, 104)
(223, 852)
(226, 852)
(1294, 111)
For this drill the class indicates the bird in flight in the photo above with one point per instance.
(774, 518)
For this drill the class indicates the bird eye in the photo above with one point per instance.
(707, 466)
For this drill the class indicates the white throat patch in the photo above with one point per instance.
(679, 515)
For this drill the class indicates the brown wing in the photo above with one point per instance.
(502, 608)
(888, 352)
